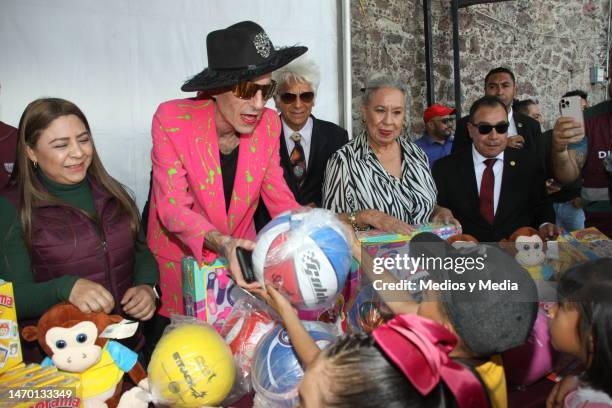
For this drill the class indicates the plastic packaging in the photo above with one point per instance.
(306, 255)
(191, 366)
(247, 324)
(367, 311)
(276, 371)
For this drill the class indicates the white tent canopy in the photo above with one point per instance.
(118, 59)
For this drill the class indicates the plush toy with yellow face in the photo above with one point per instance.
(191, 367)
(530, 251)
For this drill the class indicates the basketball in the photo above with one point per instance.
(305, 255)
(276, 371)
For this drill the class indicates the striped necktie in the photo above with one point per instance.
(298, 159)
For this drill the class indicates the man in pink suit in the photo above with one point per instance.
(214, 156)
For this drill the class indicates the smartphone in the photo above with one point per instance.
(245, 260)
(571, 106)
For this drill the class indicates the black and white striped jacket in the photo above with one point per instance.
(355, 180)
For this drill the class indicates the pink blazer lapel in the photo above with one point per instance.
(208, 167)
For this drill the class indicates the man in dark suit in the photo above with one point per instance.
(305, 141)
(490, 189)
(524, 132)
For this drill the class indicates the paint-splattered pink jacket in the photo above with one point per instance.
(188, 200)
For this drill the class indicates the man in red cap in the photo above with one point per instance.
(437, 140)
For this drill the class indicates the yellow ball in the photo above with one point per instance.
(190, 367)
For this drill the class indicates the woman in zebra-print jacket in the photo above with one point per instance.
(381, 179)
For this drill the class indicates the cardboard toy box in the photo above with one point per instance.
(33, 386)
(209, 293)
(10, 348)
(379, 237)
(380, 244)
(578, 246)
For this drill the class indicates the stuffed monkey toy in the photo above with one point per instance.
(529, 250)
(71, 339)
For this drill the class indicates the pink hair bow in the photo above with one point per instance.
(419, 347)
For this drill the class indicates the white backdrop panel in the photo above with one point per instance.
(118, 59)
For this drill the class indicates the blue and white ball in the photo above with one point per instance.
(276, 371)
(305, 255)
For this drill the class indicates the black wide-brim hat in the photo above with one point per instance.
(239, 53)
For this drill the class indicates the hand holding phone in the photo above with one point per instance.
(245, 261)
(569, 128)
(571, 107)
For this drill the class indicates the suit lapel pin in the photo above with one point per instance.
(519, 124)
(512, 163)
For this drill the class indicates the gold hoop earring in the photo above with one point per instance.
(35, 164)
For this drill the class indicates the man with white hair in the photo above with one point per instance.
(306, 142)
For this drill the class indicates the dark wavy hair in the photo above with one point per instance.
(587, 287)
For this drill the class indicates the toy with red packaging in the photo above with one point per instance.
(246, 325)
(250, 320)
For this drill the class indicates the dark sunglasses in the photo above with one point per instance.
(289, 97)
(485, 128)
(248, 89)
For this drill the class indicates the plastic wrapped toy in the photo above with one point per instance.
(306, 255)
(276, 371)
(367, 311)
(191, 366)
(248, 323)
